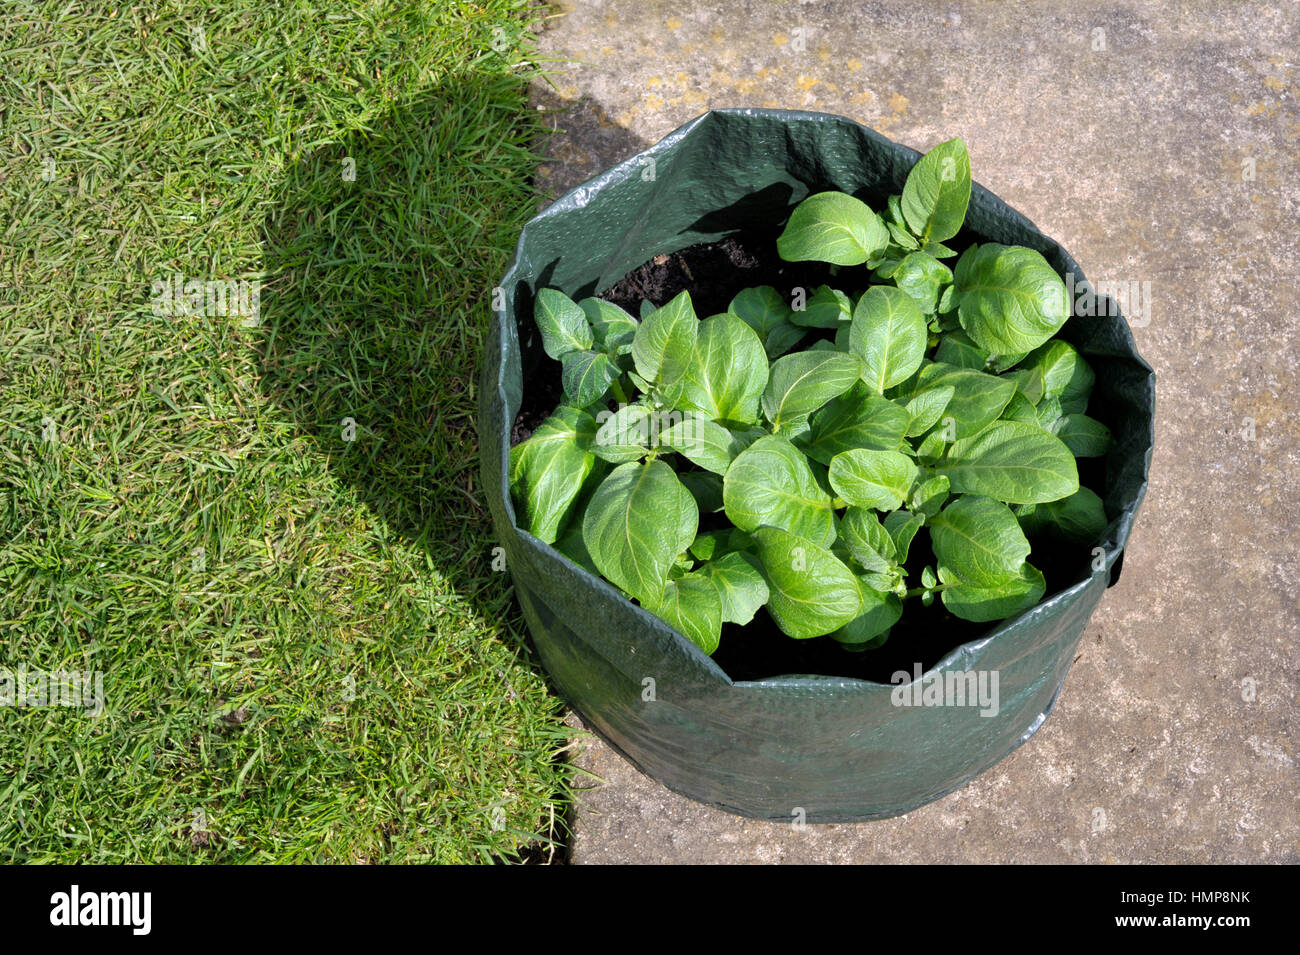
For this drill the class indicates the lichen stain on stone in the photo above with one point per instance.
(673, 23)
(693, 97)
(897, 103)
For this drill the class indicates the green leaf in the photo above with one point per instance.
(1079, 518)
(703, 442)
(764, 310)
(572, 546)
(691, 604)
(740, 586)
(705, 544)
(832, 227)
(926, 408)
(1009, 299)
(614, 328)
(670, 329)
(1047, 414)
(705, 488)
(885, 267)
(1000, 363)
(801, 383)
(562, 323)
(586, 376)
(928, 496)
(856, 419)
(795, 430)
(1013, 462)
(984, 604)
(1029, 382)
(880, 611)
(901, 236)
(979, 540)
(894, 211)
(867, 540)
(547, 470)
(623, 435)
(1084, 436)
(931, 448)
(956, 348)
(711, 544)
(826, 308)
(881, 583)
(1019, 408)
(902, 527)
(640, 518)
(937, 192)
(842, 337)
(878, 479)
(945, 307)
(770, 483)
(811, 592)
(682, 564)
(725, 373)
(908, 389)
(977, 398)
(889, 335)
(922, 276)
(1065, 374)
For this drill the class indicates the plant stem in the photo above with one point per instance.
(617, 387)
(917, 591)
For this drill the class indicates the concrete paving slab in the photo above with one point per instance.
(1158, 143)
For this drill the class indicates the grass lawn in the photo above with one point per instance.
(263, 530)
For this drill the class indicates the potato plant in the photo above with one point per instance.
(929, 423)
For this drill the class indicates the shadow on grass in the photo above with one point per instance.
(380, 259)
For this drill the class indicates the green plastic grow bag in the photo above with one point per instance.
(820, 748)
